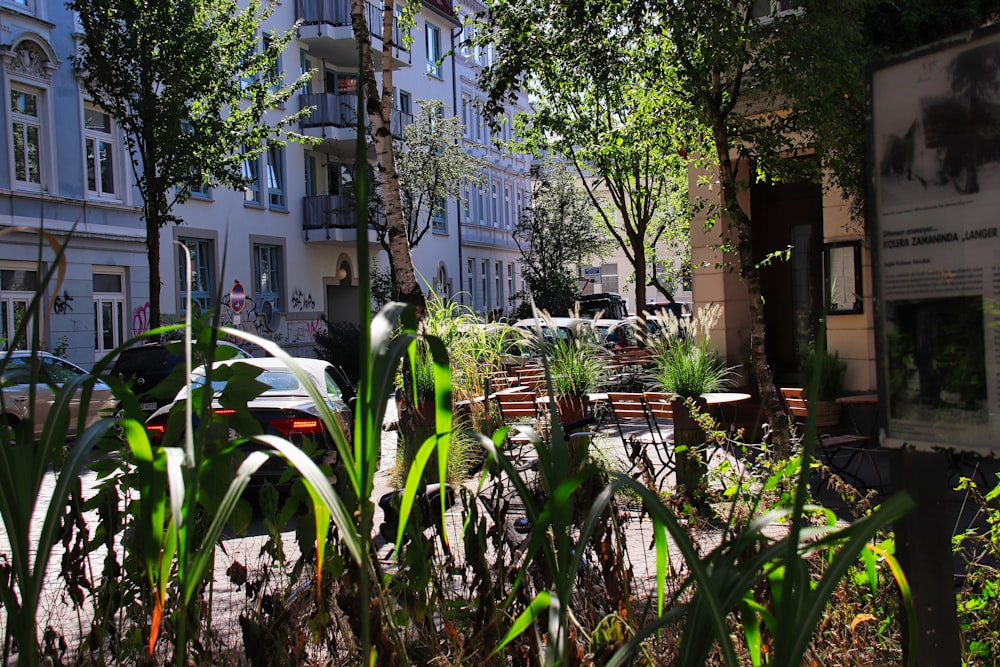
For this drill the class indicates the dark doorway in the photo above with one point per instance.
(789, 216)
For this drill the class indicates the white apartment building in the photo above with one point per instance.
(289, 239)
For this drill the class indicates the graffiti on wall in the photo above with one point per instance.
(140, 319)
(302, 300)
(301, 331)
(61, 304)
(261, 322)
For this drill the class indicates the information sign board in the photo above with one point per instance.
(935, 164)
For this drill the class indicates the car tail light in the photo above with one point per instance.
(297, 425)
(224, 412)
(156, 431)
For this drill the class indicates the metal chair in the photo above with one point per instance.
(518, 409)
(639, 433)
(846, 454)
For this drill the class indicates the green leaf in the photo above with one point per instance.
(538, 605)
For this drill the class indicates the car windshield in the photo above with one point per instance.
(278, 382)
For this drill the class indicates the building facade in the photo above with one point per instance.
(288, 239)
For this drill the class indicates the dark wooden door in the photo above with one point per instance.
(787, 221)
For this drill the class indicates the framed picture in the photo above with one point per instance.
(843, 278)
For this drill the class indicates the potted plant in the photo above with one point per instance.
(683, 364)
(823, 376)
(576, 366)
(578, 369)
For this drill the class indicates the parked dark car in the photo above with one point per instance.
(148, 367)
(611, 305)
(284, 408)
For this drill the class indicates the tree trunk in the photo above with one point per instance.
(639, 266)
(739, 222)
(379, 108)
(153, 257)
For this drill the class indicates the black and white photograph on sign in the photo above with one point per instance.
(937, 360)
(939, 132)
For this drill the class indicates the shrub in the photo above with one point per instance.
(340, 344)
(823, 371)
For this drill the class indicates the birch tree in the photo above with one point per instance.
(378, 106)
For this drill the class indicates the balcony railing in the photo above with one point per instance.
(341, 110)
(338, 13)
(328, 212)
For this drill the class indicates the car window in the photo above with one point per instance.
(278, 382)
(332, 388)
(59, 371)
(16, 372)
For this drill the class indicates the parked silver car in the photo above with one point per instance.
(47, 373)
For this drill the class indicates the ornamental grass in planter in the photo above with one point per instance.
(576, 367)
(683, 364)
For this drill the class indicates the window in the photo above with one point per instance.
(442, 284)
(506, 207)
(336, 178)
(496, 205)
(251, 172)
(433, 34)
(765, 8)
(27, 133)
(470, 281)
(510, 280)
(18, 287)
(202, 269)
(466, 111)
(100, 151)
(200, 191)
(109, 310)
(246, 80)
(268, 274)
(609, 277)
(466, 197)
(439, 219)
(405, 102)
(483, 278)
(310, 175)
(275, 72)
(27, 5)
(342, 84)
(498, 285)
(276, 176)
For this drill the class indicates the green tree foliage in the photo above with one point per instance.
(737, 94)
(431, 165)
(558, 233)
(740, 90)
(194, 87)
(602, 115)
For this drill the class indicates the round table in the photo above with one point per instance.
(724, 397)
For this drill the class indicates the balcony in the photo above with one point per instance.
(334, 119)
(483, 235)
(326, 28)
(332, 218)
